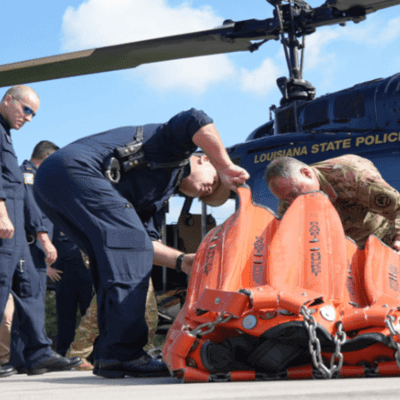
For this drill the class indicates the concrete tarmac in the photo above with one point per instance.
(76, 385)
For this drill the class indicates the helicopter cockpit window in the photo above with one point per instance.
(316, 114)
(348, 106)
(286, 119)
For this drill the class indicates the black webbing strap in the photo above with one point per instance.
(132, 157)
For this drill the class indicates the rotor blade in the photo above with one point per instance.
(130, 55)
(368, 5)
(339, 12)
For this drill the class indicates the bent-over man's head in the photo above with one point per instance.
(204, 182)
(288, 178)
(19, 105)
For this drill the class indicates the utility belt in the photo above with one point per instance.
(132, 157)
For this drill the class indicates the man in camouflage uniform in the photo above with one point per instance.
(365, 202)
(88, 330)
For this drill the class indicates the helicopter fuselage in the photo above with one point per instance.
(362, 120)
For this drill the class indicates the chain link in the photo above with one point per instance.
(339, 339)
(211, 325)
(220, 377)
(315, 345)
(393, 332)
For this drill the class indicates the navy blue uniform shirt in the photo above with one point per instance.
(146, 189)
(11, 186)
(35, 220)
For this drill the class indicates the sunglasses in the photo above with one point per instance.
(27, 110)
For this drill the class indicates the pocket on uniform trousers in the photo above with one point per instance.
(22, 284)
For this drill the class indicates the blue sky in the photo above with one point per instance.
(236, 90)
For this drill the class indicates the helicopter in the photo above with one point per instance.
(361, 120)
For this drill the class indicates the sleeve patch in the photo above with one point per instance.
(29, 178)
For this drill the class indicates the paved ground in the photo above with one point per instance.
(74, 385)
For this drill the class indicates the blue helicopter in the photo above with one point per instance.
(364, 119)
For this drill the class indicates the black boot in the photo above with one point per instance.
(145, 366)
(7, 370)
(54, 363)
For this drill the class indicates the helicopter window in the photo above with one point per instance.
(316, 114)
(286, 119)
(349, 105)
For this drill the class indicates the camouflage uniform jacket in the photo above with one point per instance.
(365, 202)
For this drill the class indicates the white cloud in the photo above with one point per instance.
(261, 80)
(98, 23)
(315, 53)
(103, 23)
(195, 75)
(374, 31)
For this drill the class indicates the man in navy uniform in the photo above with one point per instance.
(39, 232)
(17, 272)
(108, 192)
(73, 291)
(39, 229)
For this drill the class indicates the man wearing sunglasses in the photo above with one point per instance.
(18, 274)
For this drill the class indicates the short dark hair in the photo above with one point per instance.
(43, 149)
(285, 167)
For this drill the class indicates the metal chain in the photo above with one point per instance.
(339, 339)
(211, 325)
(315, 345)
(393, 332)
(220, 377)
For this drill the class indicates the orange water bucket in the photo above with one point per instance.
(287, 298)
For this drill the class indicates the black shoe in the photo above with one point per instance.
(145, 366)
(54, 363)
(20, 369)
(96, 367)
(7, 370)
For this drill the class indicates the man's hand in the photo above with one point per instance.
(48, 247)
(166, 256)
(51, 253)
(54, 274)
(396, 245)
(187, 263)
(233, 176)
(6, 226)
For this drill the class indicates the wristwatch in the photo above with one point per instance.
(178, 264)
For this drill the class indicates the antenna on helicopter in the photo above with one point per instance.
(294, 87)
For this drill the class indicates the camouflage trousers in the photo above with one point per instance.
(88, 329)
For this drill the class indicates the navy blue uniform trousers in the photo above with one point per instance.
(35, 221)
(18, 274)
(73, 291)
(17, 358)
(118, 246)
